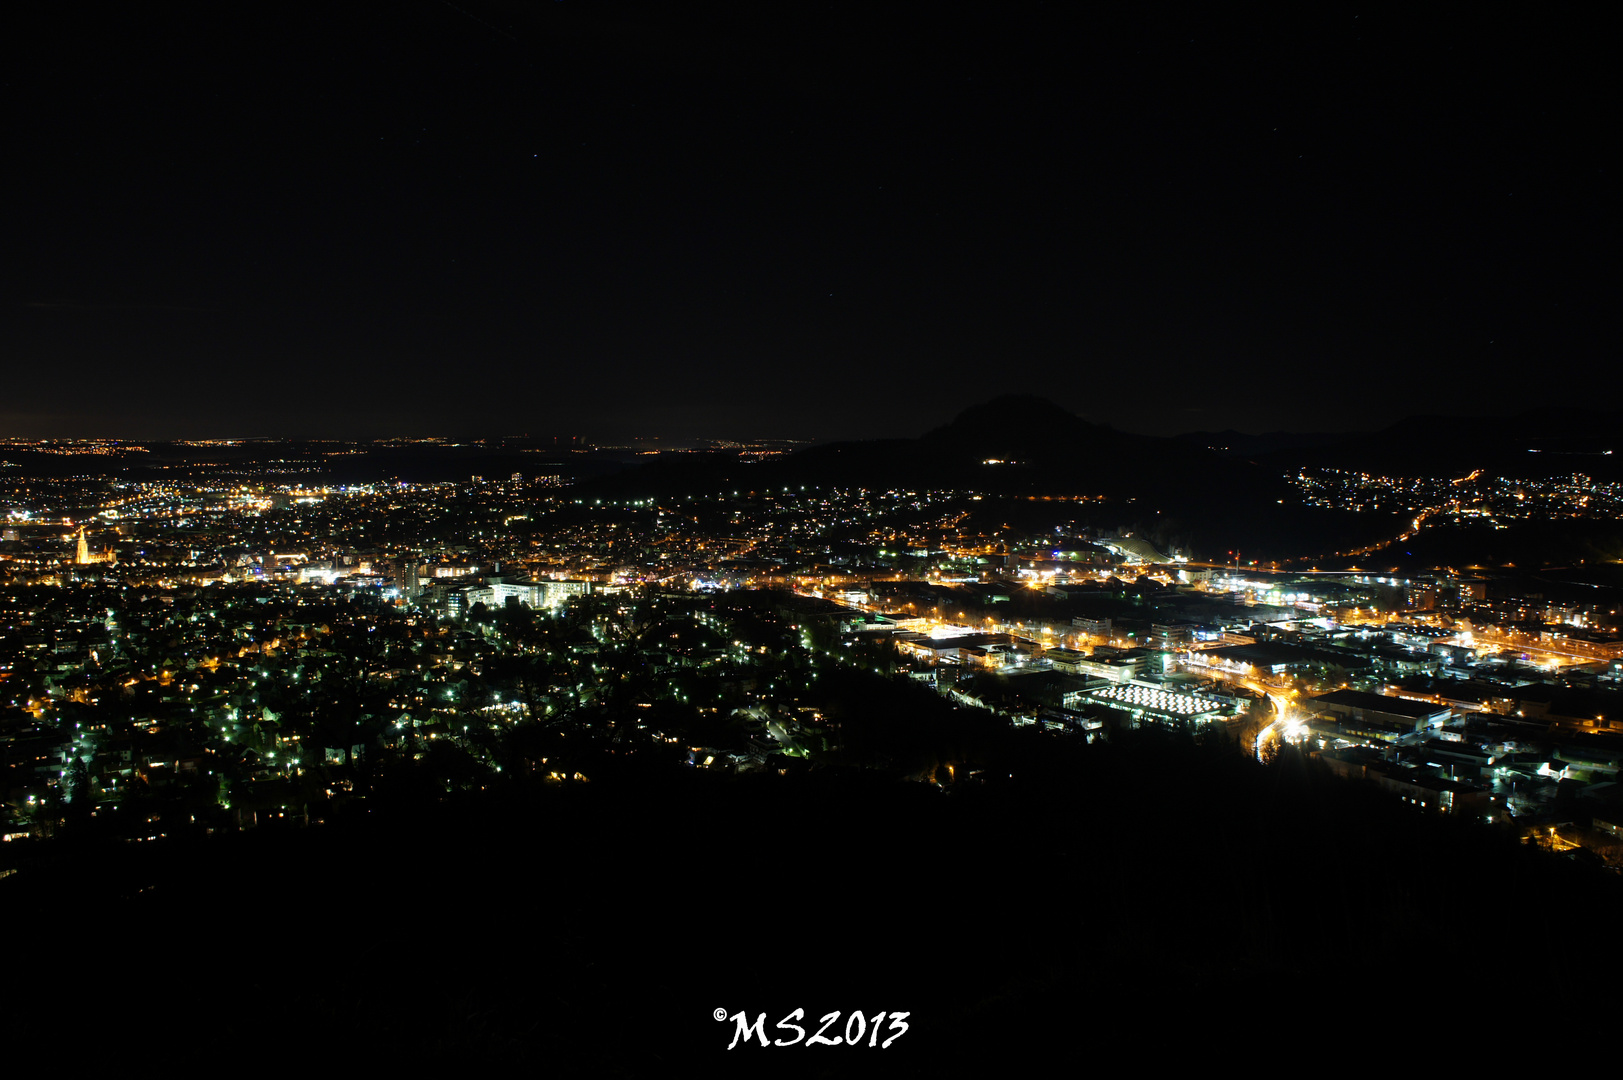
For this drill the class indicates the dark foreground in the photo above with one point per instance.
(1155, 903)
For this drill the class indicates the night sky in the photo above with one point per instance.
(797, 220)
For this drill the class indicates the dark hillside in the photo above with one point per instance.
(1154, 891)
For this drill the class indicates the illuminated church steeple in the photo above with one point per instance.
(84, 556)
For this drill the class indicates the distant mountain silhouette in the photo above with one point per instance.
(1233, 443)
(1205, 494)
(1016, 443)
(1172, 492)
(1538, 442)
(1034, 431)
(1599, 425)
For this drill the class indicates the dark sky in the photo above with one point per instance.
(805, 220)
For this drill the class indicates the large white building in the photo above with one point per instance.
(537, 594)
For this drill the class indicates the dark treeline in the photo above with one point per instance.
(1155, 893)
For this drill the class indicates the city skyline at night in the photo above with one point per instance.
(627, 538)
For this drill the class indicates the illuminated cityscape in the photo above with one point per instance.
(622, 539)
(193, 648)
(164, 628)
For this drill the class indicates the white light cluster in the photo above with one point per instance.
(1151, 698)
